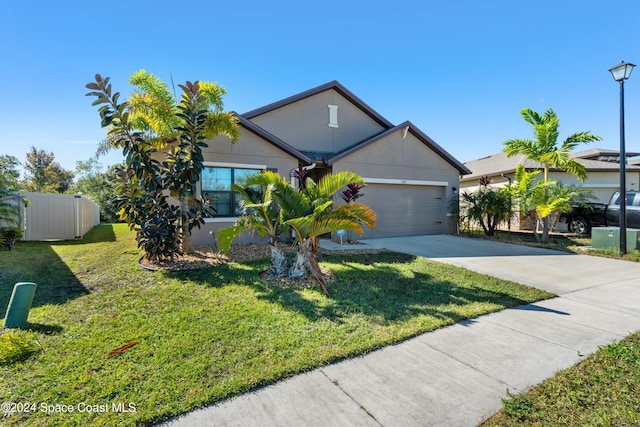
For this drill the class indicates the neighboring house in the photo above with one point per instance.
(603, 170)
(410, 179)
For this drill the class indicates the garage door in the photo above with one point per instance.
(405, 210)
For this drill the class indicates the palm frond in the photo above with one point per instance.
(222, 124)
(530, 116)
(152, 85)
(358, 212)
(580, 138)
(331, 184)
(513, 147)
(292, 202)
(265, 179)
(213, 93)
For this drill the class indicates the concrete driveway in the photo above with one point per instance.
(554, 271)
(457, 376)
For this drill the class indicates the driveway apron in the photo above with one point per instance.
(457, 376)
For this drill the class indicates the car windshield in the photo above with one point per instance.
(630, 199)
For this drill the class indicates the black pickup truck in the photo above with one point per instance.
(582, 218)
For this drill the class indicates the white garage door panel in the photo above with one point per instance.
(405, 210)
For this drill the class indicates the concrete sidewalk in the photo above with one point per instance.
(456, 376)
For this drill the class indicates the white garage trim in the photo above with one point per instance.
(405, 182)
(234, 165)
(587, 185)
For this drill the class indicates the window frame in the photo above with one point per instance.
(226, 218)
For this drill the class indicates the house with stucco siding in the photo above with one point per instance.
(602, 166)
(410, 178)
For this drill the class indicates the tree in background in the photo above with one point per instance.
(547, 195)
(9, 173)
(99, 186)
(488, 206)
(44, 175)
(10, 200)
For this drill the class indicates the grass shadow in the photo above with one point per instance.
(383, 287)
(37, 262)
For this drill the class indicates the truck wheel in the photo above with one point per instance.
(578, 226)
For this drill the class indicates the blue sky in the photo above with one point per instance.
(459, 70)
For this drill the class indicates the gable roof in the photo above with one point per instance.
(335, 85)
(499, 163)
(257, 130)
(421, 136)
(602, 154)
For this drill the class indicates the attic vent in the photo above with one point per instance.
(333, 116)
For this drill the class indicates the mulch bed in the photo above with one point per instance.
(207, 256)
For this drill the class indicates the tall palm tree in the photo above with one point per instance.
(154, 108)
(546, 150)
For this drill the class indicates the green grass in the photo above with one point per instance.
(208, 335)
(603, 390)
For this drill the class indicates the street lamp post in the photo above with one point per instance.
(621, 72)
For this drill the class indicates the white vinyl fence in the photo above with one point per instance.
(57, 216)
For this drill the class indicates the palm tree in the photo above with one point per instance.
(545, 150)
(261, 213)
(154, 109)
(311, 213)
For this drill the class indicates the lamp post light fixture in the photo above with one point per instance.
(620, 73)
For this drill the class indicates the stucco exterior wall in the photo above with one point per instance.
(249, 150)
(394, 159)
(305, 123)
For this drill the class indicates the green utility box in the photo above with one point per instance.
(19, 305)
(609, 237)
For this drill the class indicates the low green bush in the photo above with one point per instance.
(17, 344)
(10, 234)
(517, 406)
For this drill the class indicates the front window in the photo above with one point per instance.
(216, 185)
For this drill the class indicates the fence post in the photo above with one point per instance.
(78, 203)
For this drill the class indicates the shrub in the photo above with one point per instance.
(10, 234)
(17, 345)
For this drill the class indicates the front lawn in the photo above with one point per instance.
(602, 390)
(207, 335)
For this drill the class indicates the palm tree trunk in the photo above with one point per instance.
(279, 265)
(545, 230)
(306, 262)
(300, 267)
